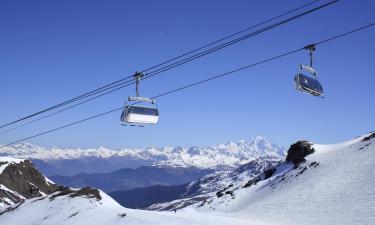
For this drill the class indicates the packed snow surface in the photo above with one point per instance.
(339, 190)
(82, 211)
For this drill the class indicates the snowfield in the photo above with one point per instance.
(81, 211)
(339, 190)
(335, 185)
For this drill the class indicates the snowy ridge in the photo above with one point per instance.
(230, 155)
(65, 210)
(211, 184)
(333, 186)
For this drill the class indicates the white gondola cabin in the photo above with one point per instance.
(140, 114)
(139, 110)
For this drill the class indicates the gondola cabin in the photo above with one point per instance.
(307, 84)
(140, 115)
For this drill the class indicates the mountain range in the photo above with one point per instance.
(204, 187)
(129, 178)
(68, 162)
(314, 184)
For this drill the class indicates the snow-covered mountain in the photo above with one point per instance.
(317, 184)
(159, 197)
(218, 182)
(29, 198)
(80, 208)
(56, 161)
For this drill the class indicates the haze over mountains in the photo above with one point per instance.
(179, 196)
(55, 161)
(129, 178)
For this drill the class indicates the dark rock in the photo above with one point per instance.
(61, 191)
(87, 192)
(121, 215)
(219, 194)
(269, 173)
(252, 182)
(83, 192)
(369, 137)
(74, 214)
(223, 191)
(314, 164)
(298, 151)
(182, 204)
(229, 193)
(26, 180)
(302, 171)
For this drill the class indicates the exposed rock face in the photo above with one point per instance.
(298, 151)
(86, 192)
(21, 180)
(372, 135)
(269, 173)
(24, 179)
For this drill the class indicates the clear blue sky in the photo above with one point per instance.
(51, 51)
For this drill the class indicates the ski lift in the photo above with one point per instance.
(139, 111)
(305, 83)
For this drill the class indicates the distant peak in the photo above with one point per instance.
(259, 139)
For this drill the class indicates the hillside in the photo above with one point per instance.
(333, 184)
(210, 185)
(42, 202)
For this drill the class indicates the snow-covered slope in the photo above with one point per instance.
(42, 202)
(217, 182)
(98, 208)
(335, 185)
(106, 160)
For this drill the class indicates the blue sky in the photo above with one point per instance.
(51, 51)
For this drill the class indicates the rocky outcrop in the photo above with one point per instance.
(26, 180)
(298, 151)
(85, 192)
(372, 135)
(21, 180)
